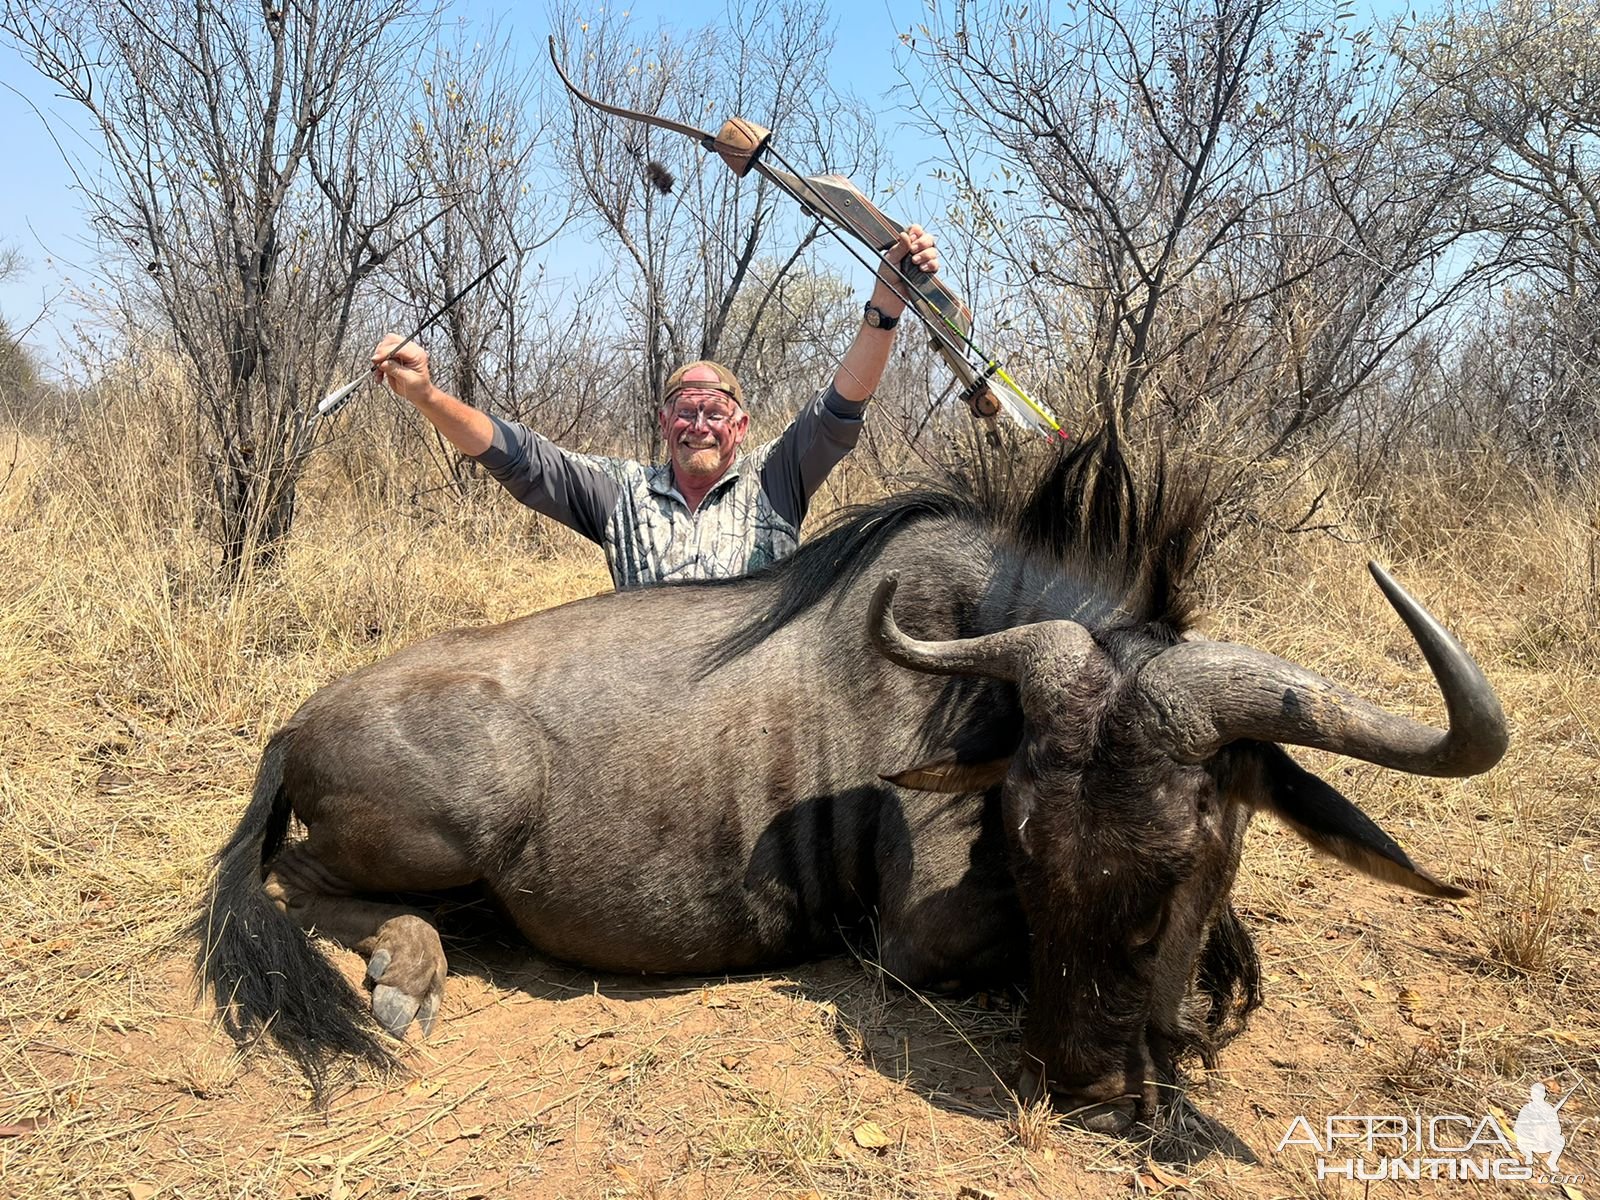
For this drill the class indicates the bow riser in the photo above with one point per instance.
(835, 198)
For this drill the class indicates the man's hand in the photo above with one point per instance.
(467, 429)
(914, 247)
(406, 374)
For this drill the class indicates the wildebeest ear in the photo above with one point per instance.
(1331, 823)
(948, 775)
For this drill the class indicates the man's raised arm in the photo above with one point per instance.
(863, 364)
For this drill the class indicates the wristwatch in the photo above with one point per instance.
(877, 318)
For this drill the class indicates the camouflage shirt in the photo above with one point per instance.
(636, 513)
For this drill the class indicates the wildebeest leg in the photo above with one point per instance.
(405, 959)
(944, 937)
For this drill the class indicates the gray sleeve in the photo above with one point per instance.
(797, 462)
(572, 488)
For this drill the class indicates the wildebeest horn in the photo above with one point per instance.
(1207, 694)
(1000, 655)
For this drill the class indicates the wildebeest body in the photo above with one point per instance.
(1049, 782)
(566, 760)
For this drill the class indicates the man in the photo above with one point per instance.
(709, 511)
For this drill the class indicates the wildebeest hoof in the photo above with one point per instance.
(393, 1008)
(407, 968)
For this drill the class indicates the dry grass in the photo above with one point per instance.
(134, 697)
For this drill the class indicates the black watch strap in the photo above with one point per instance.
(877, 318)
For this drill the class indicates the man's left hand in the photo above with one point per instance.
(914, 247)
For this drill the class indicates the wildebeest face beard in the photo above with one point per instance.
(1120, 871)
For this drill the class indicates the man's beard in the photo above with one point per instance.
(702, 462)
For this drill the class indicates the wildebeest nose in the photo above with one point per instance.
(1114, 1117)
(1103, 1106)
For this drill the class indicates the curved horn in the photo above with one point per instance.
(1207, 694)
(1001, 655)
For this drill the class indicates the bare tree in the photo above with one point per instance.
(693, 254)
(20, 390)
(252, 179)
(1207, 202)
(1514, 90)
(480, 142)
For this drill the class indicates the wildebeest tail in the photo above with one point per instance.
(262, 971)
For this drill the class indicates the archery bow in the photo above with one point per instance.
(743, 146)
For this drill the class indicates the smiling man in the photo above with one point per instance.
(711, 510)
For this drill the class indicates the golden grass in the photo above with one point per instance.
(135, 694)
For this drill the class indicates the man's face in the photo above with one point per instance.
(703, 429)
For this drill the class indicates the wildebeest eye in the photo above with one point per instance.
(1144, 934)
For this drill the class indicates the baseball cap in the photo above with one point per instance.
(726, 381)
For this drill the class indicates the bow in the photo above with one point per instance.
(837, 203)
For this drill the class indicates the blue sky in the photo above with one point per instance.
(41, 214)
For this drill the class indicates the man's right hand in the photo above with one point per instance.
(406, 374)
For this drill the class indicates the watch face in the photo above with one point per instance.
(873, 316)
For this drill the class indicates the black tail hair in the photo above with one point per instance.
(263, 973)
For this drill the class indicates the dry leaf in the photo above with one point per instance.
(622, 1173)
(730, 1062)
(869, 1135)
(423, 1087)
(970, 1192)
(23, 1125)
(1369, 986)
(1165, 1177)
(1408, 1000)
(841, 1149)
(140, 1191)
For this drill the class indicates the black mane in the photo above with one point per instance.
(1137, 543)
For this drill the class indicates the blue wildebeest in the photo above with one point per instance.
(1049, 784)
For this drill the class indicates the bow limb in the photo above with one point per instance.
(737, 143)
(842, 207)
(627, 114)
(987, 391)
